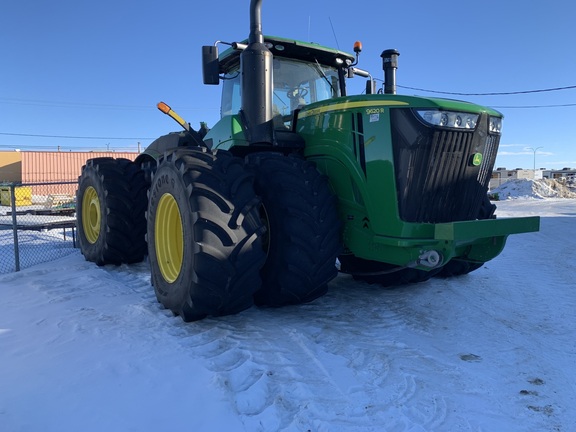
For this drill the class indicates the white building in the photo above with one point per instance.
(563, 175)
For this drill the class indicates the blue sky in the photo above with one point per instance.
(97, 69)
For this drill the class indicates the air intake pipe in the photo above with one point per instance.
(256, 82)
(390, 64)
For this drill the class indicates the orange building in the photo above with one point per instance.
(47, 167)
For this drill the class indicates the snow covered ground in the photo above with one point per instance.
(84, 348)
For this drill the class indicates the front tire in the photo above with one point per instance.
(387, 275)
(457, 267)
(111, 201)
(204, 234)
(303, 237)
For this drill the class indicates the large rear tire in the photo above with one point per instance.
(111, 204)
(303, 238)
(204, 234)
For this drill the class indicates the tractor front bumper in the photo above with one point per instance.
(475, 241)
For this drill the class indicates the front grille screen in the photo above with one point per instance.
(435, 178)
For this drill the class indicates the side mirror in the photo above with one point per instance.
(210, 65)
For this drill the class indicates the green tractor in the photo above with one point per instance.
(297, 181)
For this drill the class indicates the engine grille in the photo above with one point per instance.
(435, 178)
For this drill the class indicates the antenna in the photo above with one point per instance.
(334, 33)
(309, 19)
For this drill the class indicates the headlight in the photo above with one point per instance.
(495, 126)
(449, 119)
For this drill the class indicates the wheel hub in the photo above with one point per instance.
(91, 216)
(169, 238)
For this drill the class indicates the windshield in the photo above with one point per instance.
(296, 84)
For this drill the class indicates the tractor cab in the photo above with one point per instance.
(302, 73)
(296, 83)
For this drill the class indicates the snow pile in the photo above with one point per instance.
(527, 188)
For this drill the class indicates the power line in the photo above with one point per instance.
(62, 104)
(73, 147)
(533, 106)
(76, 137)
(493, 93)
(505, 94)
(71, 104)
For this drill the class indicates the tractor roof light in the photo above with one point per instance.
(449, 119)
(357, 51)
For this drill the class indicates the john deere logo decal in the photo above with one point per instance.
(476, 159)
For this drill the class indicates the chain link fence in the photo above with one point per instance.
(37, 223)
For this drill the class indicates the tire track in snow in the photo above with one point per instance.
(311, 368)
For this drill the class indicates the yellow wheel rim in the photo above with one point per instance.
(91, 215)
(169, 238)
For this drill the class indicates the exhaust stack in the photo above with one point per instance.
(256, 81)
(390, 64)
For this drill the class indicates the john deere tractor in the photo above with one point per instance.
(296, 181)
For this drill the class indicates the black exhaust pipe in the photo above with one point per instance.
(390, 64)
(256, 81)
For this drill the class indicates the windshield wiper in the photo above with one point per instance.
(319, 67)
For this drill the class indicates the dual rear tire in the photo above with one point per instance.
(111, 220)
(224, 234)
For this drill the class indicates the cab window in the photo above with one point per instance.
(296, 84)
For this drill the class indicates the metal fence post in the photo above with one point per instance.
(15, 226)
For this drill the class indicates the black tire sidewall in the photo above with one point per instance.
(304, 229)
(168, 181)
(91, 251)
